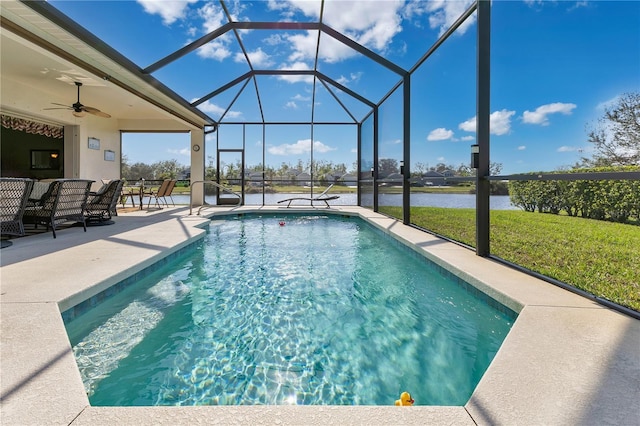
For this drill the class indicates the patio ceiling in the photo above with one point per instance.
(39, 53)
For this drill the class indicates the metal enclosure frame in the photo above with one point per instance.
(483, 178)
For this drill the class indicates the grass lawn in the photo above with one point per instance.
(602, 258)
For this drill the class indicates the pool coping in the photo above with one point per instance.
(567, 360)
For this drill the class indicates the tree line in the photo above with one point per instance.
(172, 169)
(615, 139)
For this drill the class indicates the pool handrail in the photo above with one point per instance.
(204, 204)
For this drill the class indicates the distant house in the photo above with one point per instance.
(332, 177)
(255, 178)
(349, 180)
(303, 179)
(339, 178)
(433, 178)
(394, 179)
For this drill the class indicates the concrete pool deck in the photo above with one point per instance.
(566, 361)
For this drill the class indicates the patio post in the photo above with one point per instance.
(483, 113)
(198, 155)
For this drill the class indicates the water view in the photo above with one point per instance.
(461, 201)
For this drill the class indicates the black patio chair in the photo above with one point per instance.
(65, 201)
(14, 193)
(103, 203)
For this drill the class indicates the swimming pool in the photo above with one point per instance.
(289, 310)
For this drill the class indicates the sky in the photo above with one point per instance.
(555, 67)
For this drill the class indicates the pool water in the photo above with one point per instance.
(289, 310)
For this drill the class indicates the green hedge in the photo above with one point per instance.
(615, 200)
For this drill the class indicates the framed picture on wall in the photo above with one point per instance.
(109, 155)
(94, 143)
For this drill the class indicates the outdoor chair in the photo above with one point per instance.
(172, 184)
(129, 193)
(322, 197)
(38, 191)
(65, 201)
(14, 193)
(159, 194)
(103, 203)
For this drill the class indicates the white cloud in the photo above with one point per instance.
(607, 104)
(214, 50)
(277, 5)
(499, 123)
(258, 58)
(170, 11)
(540, 115)
(291, 105)
(539, 4)
(301, 147)
(440, 134)
(532, 3)
(213, 17)
(192, 31)
(295, 78)
(370, 23)
(522, 148)
(469, 125)
(209, 108)
(568, 149)
(373, 24)
(467, 138)
(353, 77)
(303, 46)
(274, 40)
(288, 8)
(442, 13)
(184, 151)
(579, 4)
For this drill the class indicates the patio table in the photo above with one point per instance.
(136, 190)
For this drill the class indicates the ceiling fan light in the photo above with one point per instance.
(79, 113)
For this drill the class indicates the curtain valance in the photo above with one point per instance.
(32, 127)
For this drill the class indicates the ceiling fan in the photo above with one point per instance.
(79, 110)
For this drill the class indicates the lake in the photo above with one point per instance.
(498, 202)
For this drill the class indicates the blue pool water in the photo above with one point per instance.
(289, 310)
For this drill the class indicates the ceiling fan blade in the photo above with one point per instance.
(95, 111)
(79, 109)
(56, 108)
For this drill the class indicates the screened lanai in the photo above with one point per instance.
(287, 112)
(445, 115)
